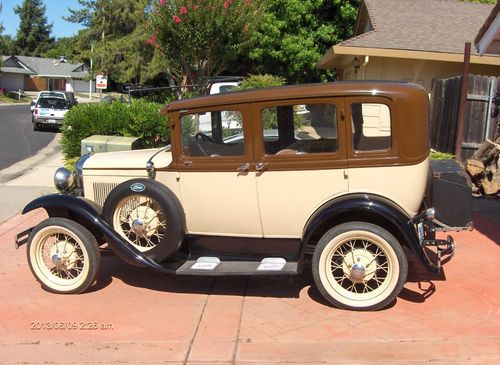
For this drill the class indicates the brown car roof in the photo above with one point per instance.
(344, 88)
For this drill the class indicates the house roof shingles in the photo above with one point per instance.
(421, 25)
(50, 67)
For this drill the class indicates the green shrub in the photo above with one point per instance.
(139, 119)
(261, 81)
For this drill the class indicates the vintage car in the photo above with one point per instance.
(351, 183)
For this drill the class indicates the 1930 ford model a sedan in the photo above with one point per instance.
(340, 170)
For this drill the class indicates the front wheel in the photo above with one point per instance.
(63, 256)
(359, 266)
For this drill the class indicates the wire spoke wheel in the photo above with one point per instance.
(63, 255)
(141, 220)
(149, 217)
(359, 266)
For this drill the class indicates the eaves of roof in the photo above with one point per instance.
(17, 70)
(337, 51)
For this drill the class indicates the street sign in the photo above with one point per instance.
(101, 81)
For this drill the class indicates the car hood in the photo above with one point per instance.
(135, 159)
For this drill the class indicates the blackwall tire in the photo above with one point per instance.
(359, 266)
(148, 215)
(63, 256)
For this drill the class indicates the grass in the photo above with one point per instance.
(436, 155)
(13, 98)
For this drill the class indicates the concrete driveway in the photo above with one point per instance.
(135, 316)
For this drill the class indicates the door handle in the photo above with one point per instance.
(243, 168)
(261, 166)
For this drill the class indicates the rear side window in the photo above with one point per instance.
(371, 127)
(300, 129)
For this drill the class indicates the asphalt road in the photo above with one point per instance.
(17, 138)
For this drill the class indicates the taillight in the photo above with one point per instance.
(36, 111)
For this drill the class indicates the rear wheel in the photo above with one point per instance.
(359, 266)
(63, 256)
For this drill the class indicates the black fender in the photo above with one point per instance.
(88, 214)
(361, 207)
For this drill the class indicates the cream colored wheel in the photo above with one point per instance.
(359, 266)
(63, 255)
(141, 220)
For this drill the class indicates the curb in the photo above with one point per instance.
(23, 167)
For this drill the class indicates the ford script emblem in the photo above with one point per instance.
(137, 187)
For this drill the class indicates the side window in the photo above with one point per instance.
(371, 127)
(213, 134)
(300, 129)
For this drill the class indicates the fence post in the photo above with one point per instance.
(462, 104)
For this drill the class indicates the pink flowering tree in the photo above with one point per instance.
(198, 38)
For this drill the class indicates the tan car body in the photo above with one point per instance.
(278, 202)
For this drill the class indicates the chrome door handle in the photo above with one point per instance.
(261, 166)
(243, 168)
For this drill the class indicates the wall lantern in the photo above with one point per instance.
(356, 64)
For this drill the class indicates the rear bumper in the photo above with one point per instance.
(435, 252)
(48, 121)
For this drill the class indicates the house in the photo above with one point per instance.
(36, 73)
(417, 41)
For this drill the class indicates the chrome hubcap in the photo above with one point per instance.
(138, 226)
(57, 260)
(357, 273)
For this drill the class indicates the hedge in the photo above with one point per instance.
(138, 119)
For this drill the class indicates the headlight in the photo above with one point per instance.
(63, 179)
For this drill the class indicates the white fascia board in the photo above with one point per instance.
(489, 36)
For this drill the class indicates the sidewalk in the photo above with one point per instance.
(29, 179)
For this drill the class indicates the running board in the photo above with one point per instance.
(213, 266)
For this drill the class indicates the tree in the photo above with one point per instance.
(33, 36)
(116, 29)
(65, 46)
(198, 39)
(294, 34)
(6, 43)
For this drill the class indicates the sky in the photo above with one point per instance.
(55, 10)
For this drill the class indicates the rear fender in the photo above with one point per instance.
(88, 214)
(363, 207)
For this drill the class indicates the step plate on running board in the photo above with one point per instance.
(215, 266)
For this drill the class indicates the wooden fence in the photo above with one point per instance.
(481, 121)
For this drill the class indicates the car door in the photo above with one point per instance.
(301, 161)
(217, 186)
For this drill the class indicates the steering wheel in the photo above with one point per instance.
(203, 137)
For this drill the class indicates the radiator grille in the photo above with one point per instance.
(101, 191)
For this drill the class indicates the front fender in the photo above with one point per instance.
(88, 214)
(360, 207)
